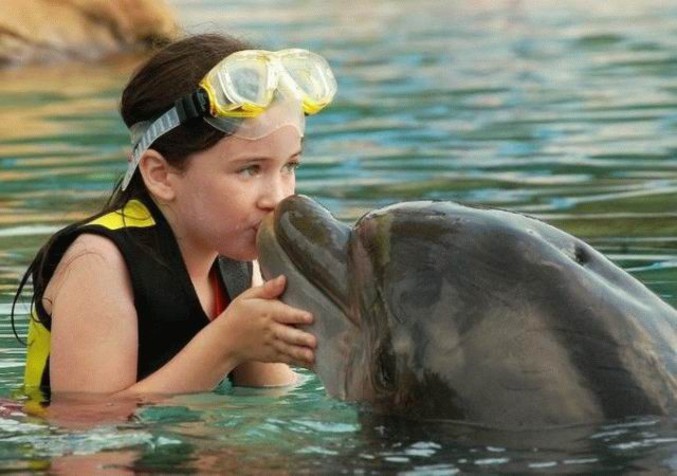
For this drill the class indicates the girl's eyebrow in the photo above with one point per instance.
(247, 160)
(254, 159)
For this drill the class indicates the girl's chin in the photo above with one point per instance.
(242, 254)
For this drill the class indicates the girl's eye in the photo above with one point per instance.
(292, 166)
(250, 170)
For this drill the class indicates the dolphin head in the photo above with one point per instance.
(301, 240)
(440, 310)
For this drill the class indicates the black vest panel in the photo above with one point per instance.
(168, 308)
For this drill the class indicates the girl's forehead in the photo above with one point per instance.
(281, 113)
(283, 142)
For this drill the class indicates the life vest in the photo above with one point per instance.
(168, 309)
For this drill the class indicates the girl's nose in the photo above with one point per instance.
(273, 192)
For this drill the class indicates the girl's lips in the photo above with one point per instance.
(260, 223)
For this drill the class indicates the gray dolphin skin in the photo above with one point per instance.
(443, 311)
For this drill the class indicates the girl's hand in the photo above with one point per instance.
(261, 328)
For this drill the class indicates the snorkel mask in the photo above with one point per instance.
(249, 94)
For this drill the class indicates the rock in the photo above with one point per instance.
(51, 30)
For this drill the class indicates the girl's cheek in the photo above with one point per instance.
(292, 183)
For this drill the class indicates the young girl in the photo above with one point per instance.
(160, 292)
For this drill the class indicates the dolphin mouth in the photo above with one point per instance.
(311, 240)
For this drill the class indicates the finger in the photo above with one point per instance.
(295, 355)
(285, 314)
(293, 336)
(272, 288)
(292, 316)
(269, 290)
(282, 313)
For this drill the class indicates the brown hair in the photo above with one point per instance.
(171, 73)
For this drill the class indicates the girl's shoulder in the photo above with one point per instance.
(92, 248)
(91, 261)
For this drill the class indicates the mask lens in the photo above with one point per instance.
(247, 80)
(240, 83)
(247, 84)
(312, 76)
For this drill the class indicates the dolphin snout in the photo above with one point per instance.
(311, 240)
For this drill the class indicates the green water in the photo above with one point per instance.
(563, 110)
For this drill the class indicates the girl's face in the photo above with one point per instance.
(225, 191)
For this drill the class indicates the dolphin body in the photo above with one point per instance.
(438, 310)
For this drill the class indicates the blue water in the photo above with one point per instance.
(563, 110)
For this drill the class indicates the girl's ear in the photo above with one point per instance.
(156, 173)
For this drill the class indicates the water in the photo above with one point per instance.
(563, 110)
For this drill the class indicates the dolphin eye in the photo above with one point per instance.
(385, 368)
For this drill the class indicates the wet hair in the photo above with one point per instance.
(171, 73)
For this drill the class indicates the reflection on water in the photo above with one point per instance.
(299, 432)
(563, 110)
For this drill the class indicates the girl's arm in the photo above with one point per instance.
(94, 341)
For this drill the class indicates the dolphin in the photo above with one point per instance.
(436, 310)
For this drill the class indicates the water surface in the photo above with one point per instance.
(563, 110)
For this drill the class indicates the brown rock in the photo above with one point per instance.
(50, 30)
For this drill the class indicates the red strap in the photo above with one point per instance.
(220, 298)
